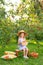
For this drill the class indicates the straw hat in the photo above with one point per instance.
(22, 31)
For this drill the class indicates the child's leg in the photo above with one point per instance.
(26, 51)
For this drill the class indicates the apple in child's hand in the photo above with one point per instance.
(24, 43)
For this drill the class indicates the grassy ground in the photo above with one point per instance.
(20, 60)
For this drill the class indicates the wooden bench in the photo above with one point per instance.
(17, 52)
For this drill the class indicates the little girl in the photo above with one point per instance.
(22, 43)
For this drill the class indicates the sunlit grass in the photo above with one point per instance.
(20, 60)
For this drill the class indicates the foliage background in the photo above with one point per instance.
(30, 20)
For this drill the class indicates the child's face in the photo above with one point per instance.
(22, 35)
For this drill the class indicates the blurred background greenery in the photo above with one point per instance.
(29, 15)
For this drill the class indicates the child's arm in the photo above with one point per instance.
(19, 42)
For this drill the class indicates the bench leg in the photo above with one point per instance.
(16, 53)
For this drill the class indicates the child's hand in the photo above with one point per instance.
(24, 43)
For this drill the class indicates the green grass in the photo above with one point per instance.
(20, 60)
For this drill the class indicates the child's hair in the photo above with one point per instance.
(20, 34)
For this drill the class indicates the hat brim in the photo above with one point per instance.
(22, 32)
